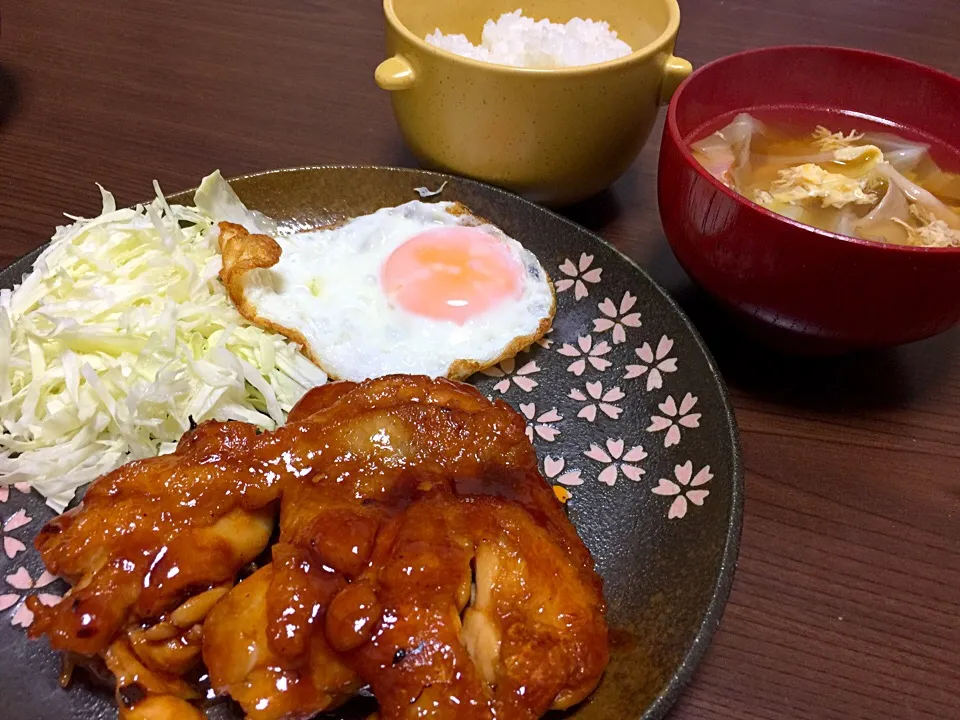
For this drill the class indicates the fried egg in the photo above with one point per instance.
(421, 288)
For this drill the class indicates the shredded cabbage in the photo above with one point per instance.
(121, 335)
(218, 200)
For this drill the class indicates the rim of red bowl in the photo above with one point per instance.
(742, 199)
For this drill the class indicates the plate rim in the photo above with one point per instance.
(678, 682)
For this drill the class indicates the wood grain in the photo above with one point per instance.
(847, 598)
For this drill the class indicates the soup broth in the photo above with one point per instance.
(872, 185)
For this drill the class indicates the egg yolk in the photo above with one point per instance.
(452, 273)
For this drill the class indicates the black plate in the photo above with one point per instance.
(626, 409)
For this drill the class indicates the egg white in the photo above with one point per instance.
(326, 287)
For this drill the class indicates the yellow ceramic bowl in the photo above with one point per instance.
(555, 136)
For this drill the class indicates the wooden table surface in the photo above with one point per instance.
(847, 598)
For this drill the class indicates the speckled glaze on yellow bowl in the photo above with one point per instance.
(555, 136)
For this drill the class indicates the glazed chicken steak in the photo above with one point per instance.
(418, 553)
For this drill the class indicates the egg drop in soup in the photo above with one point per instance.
(870, 185)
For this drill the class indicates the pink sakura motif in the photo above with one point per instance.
(545, 342)
(5, 491)
(682, 490)
(617, 317)
(577, 276)
(586, 351)
(673, 417)
(595, 398)
(617, 461)
(508, 371)
(554, 471)
(539, 424)
(21, 580)
(655, 363)
(11, 545)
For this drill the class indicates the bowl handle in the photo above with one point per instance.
(395, 73)
(675, 71)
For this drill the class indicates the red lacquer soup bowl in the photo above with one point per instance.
(803, 288)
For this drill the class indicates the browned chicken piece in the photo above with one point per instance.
(146, 694)
(453, 552)
(329, 521)
(152, 533)
(151, 549)
(155, 531)
(420, 552)
(242, 662)
(174, 643)
(472, 608)
(147, 662)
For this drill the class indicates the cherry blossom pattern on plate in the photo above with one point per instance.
(553, 470)
(544, 342)
(674, 418)
(5, 491)
(22, 581)
(508, 372)
(586, 352)
(684, 489)
(617, 317)
(617, 461)
(13, 546)
(653, 363)
(540, 425)
(577, 276)
(596, 398)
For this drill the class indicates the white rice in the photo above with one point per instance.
(524, 42)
